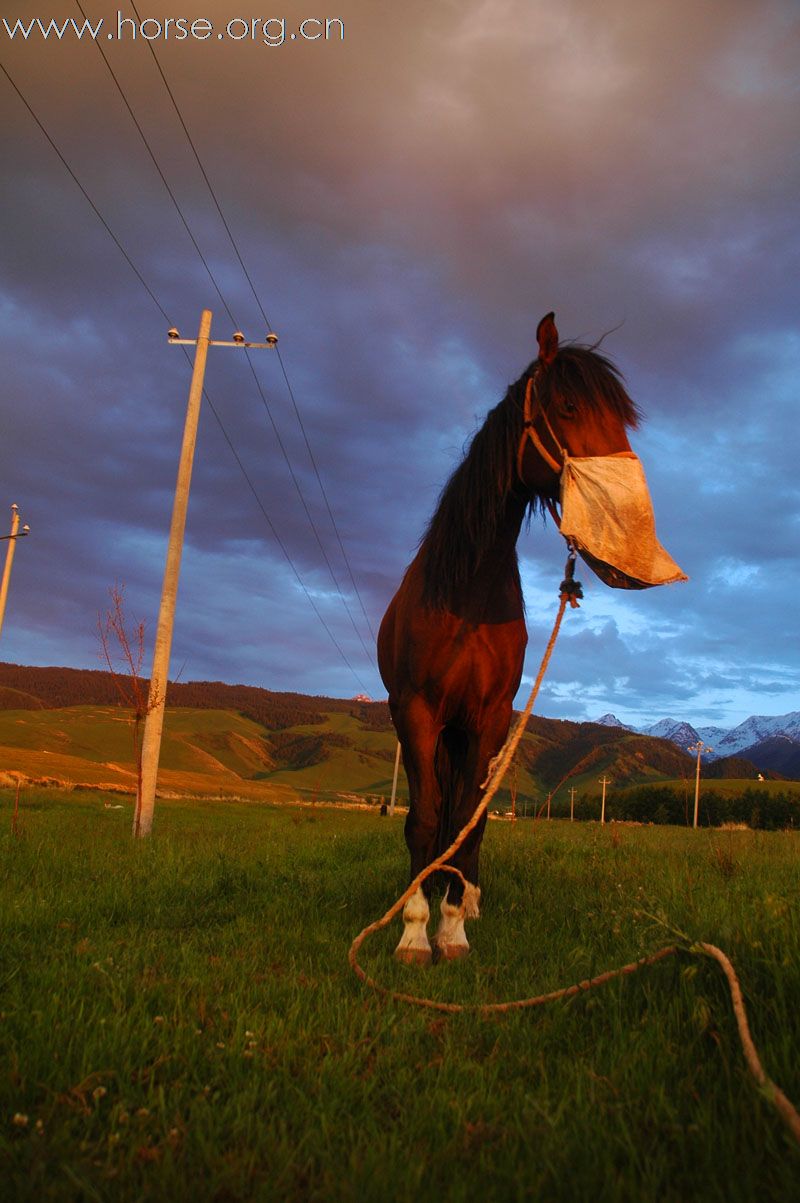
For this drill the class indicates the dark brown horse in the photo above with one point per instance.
(452, 642)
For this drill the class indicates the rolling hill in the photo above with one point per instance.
(67, 725)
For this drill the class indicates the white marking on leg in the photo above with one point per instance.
(451, 938)
(414, 947)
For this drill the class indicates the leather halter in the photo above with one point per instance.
(534, 408)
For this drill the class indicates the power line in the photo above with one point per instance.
(324, 494)
(279, 541)
(257, 298)
(304, 504)
(94, 207)
(228, 310)
(202, 170)
(164, 314)
(155, 162)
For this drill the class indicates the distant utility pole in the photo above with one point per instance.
(604, 781)
(15, 534)
(699, 748)
(154, 720)
(572, 804)
(549, 796)
(394, 779)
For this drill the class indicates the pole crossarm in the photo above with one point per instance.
(238, 340)
(215, 342)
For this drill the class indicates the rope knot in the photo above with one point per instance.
(570, 589)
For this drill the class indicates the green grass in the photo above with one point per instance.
(179, 1020)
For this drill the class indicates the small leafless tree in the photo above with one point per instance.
(123, 651)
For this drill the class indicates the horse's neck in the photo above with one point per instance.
(509, 528)
(496, 593)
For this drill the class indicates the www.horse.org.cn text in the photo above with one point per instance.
(268, 31)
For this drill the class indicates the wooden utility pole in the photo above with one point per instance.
(572, 804)
(549, 796)
(15, 534)
(394, 778)
(154, 719)
(604, 781)
(699, 748)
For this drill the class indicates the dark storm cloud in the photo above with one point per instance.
(409, 202)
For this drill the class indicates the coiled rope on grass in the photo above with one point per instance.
(570, 592)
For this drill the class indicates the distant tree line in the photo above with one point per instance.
(758, 808)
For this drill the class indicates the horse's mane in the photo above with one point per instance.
(466, 523)
(590, 381)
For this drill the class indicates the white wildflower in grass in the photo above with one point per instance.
(99, 1093)
(19, 1120)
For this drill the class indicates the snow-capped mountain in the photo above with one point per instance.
(756, 728)
(611, 720)
(723, 742)
(682, 734)
(712, 735)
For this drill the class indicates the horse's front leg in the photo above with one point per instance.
(462, 901)
(451, 936)
(418, 735)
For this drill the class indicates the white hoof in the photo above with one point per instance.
(451, 938)
(414, 947)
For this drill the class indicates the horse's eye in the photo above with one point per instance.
(568, 409)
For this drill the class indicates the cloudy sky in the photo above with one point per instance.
(408, 195)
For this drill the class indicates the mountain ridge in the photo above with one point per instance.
(753, 739)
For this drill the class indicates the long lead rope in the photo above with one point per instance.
(569, 594)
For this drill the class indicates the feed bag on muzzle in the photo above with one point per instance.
(606, 512)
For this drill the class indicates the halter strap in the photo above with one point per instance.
(532, 405)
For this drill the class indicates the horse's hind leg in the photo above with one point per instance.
(418, 735)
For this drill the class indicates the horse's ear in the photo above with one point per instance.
(547, 338)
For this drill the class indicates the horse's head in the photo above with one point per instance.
(574, 403)
(574, 445)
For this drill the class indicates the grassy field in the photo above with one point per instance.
(178, 1020)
